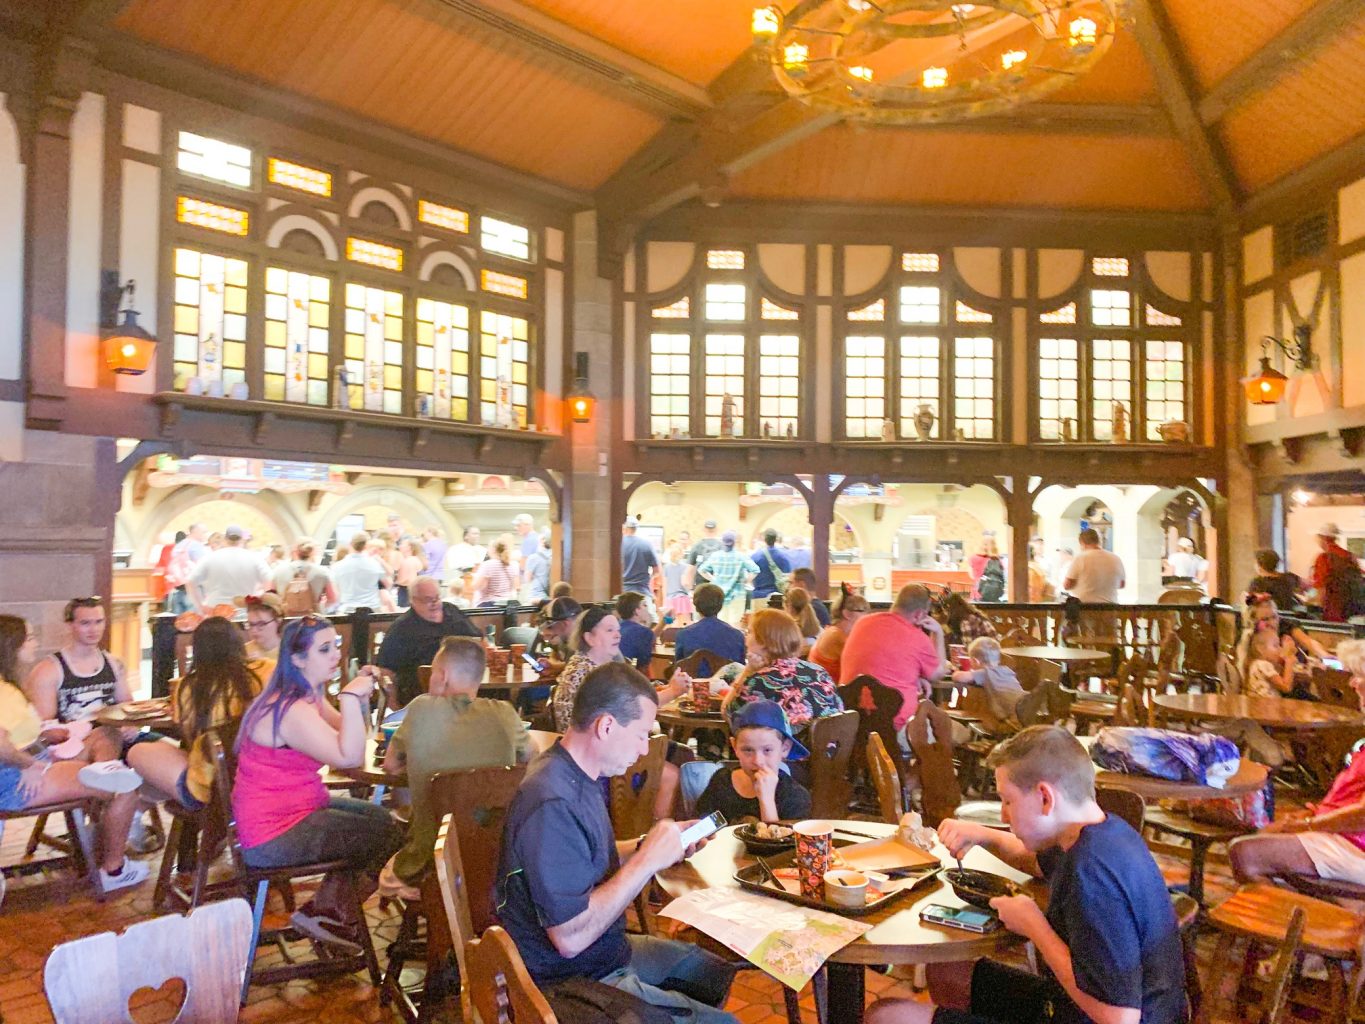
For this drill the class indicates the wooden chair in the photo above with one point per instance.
(694, 777)
(527, 635)
(89, 980)
(699, 665)
(831, 741)
(257, 882)
(634, 792)
(1202, 836)
(1229, 678)
(882, 769)
(1100, 709)
(503, 990)
(1122, 803)
(1263, 914)
(468, 848)
(877, 706)
(77, 849)
(940, 793)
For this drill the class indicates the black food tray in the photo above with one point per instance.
(754, 878)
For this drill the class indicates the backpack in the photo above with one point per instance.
(991, 585)
(298, 594)
(1346, 574)
(181, 567)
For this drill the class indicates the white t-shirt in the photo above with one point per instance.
(1186, 563)
(228, 573)
(357, 581)
(462, 557)
(1098, 575)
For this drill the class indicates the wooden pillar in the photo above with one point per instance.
(1019, 515)
(820, 514)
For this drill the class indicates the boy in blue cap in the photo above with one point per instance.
(762, 740)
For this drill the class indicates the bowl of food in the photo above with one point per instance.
(761, 838)
(979, 887)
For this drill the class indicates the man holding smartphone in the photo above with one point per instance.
(1109, 944)
(565, 881)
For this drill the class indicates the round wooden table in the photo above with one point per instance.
(1067, 656)
(1274, 713)
(898, 935)
(1250, 777)
(679, 725)
(120, 716)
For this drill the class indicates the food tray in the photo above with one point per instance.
(686, 707)
(754, 879)
(139, 709)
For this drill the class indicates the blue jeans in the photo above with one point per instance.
(678, 976)
(356, 831)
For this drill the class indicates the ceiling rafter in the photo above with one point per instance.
(1175, 83)
(645, 84)
(1312, 30)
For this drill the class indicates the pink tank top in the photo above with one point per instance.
(276, 788)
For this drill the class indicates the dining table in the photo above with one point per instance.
(898, 936)
(679, 723)
(154, 714)
(1274, 714)
(1067, 657)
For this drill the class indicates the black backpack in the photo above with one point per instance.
(991, 586)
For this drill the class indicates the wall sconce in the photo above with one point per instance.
(580, 399)
(1267, 386)
(127, 347)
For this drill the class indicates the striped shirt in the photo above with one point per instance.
(726, 568)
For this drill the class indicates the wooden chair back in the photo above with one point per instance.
(699, 664)
(473, 806)
(885, 778)
(1275, 992)
(1181, 595)
(224, 767)
(424, 677)
(344, 634)
(633, 794)
(503, 992)
(940, 793)
(831, 741)
(1130, 710)
(1029, 670)
(877, 705)
(89, 980)
(1229, 678)
(1170, 651)
(1122, 803)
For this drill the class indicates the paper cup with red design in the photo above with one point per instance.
(814, 845)
(701, 694)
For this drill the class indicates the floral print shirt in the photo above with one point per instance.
(804, 690)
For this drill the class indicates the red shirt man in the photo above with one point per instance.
(1334, 574)
(894, 648)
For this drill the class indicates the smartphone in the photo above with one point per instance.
(969, 919)
(1332, 663)
(535, 663)
(699, 830)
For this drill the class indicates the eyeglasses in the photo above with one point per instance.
(260, 623)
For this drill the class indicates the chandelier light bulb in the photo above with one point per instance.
(1013, 57)
(861, 71)
(1301, 497)
(935, 78)
(1084, 32)
(859, 6)
(765, 23)
(795, 58)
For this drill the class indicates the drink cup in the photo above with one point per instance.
(814, 845)
(517, 651)
(701, 694)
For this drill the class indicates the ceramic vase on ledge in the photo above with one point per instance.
(924, 421)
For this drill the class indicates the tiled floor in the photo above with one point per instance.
(42, 911)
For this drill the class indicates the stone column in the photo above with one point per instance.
(592, 523)
(1239, 516)
(820, 512)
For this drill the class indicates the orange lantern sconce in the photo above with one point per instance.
(128, 349)
(580, 399)
(1267, 387)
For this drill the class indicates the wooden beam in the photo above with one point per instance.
(1285, 52)
(1175, 83)
(644, 84)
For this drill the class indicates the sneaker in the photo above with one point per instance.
(131, 873)
(110, 777)
(144, 837)
(327, 930)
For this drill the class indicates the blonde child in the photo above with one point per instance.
(1003, 691)
(1270, 666)
(677, 599)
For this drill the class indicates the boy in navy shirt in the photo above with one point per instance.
(1109, 944)
(762, 740)
(637, 639)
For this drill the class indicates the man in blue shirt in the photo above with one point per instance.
(639, 563)
(798, 555)
(1108, 941)
(637, 639)
(564, 881)
(770, 561)
(709, 633)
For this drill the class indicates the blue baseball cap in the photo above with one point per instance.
(767, 714)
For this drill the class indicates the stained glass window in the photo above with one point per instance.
(298, 340)
(1109, 266)
(973, 388)
(209, 320)
(297, 176)
(919, 382)
(725, 259)
(680, 310)
(505, 238)
(1061, 315)
(873, 312)
(768, 310)
(441, 355)
(1167, 372)
(212, 216)
(920, 262)
(1058, 386)
(374, 348)
(670, 383)
(440, 216)
(214, 159)
(864, 385)
(723, 373)
(779, 383)
(504, 370)
(725, 301)
(1111, 381)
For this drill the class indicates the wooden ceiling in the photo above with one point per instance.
(1197, 105)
